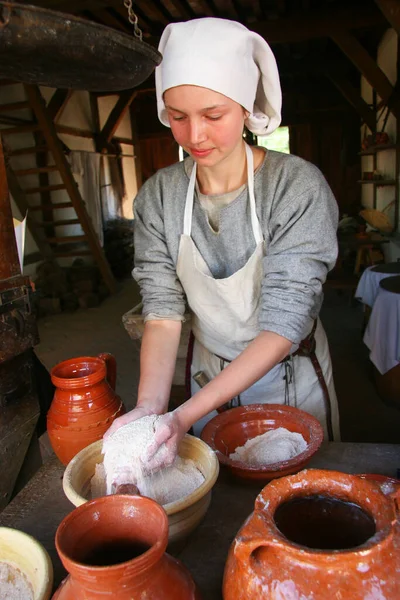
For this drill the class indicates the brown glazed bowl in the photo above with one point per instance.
(232, 428)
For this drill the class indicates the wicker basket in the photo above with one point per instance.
(377, 219)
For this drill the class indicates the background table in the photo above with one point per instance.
(41, 505)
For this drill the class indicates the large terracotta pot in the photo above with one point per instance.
(317, 535)
(84, 404)
(119, 528)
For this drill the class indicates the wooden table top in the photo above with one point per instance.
(41, 505)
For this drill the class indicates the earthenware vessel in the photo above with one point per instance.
(114, 547)
(184, 515)
(84, 404)
(24, 553)
(233, 428)
(317, 535)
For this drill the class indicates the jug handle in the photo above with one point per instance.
(111, 366)
(246, 544)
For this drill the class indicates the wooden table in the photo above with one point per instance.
(41, 505)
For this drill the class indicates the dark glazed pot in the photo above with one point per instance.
(131, 529)
(84, 404)
(317, 535)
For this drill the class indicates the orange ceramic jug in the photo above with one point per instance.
(84, 404)
(114, 547)
(317, 535)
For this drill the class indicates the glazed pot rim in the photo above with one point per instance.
(380, 507)
(77, 382)
(211, 429)
(138, 564)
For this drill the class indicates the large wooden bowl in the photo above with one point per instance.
(232, 428)
(183, 515)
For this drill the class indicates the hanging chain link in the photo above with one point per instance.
(133, 19)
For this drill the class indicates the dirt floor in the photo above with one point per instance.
(364, 417)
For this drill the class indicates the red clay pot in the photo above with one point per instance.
(277, 553)
(117, 528)
(234, 427)
(84, 404)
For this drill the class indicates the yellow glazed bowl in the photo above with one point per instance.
(24, 553)
(183, 515)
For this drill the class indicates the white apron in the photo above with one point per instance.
(225, 320)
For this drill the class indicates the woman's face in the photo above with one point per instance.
(208, 125)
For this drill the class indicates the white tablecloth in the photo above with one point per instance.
(382, 335)
(368, 286)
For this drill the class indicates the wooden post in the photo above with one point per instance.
(9, 261)
(137, 155)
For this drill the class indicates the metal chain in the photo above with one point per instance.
(133, 19)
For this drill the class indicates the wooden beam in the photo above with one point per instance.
(48, 128)
(226, 8)
(316, 24)
(137, 155)
(104, 17)
(208, 8)
(184, 9)
(24, 208)
(9, 262)
(154, 11)
(116, 116)
(13, 106)
(353, 97)
(391, 10)
(359, 56)
(57, 103)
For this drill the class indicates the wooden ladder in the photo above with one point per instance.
(47, 144)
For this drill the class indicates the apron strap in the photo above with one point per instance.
(257, 232)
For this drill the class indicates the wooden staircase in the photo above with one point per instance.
(48, 228)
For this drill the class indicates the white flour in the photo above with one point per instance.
(271, 447)
(13, 584)
(123, 463)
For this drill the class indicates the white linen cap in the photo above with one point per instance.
(226, 57)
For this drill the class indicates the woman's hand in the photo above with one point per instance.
(132, 415)
(168, 434)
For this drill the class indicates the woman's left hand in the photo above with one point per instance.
(168, 434)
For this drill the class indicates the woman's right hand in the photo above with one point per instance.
(129, 417)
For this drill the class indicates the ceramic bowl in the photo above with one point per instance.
(183, 515)
(24, 553)
(232, 428)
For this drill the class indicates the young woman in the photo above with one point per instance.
(244, 236)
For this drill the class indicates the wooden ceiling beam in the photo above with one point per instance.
(144, 23)
(353, 97)
(391, 10)
(317, 24)
(207, 8)
(184, 9)
(104, 17)
(226, 8)
(367, 66)
(154, 11)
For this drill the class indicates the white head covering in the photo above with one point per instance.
(226, 57)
